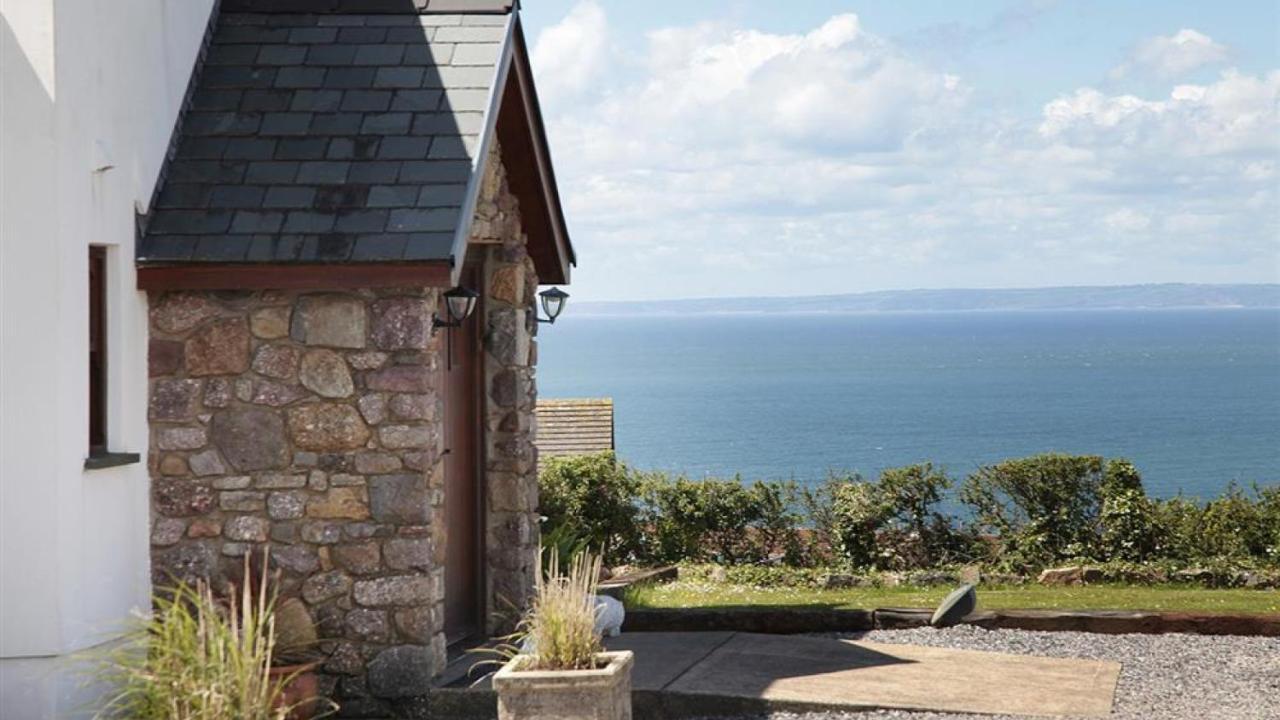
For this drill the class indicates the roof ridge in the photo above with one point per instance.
(372, 7)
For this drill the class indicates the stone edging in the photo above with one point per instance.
(806, 620)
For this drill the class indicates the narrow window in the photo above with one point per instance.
(97, 351)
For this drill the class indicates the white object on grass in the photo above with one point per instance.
(609, 616)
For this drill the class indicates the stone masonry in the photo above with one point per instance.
(308, 422)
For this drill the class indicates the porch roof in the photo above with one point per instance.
(335, 143)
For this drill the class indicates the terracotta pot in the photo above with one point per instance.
(601, 694)
(304, 686)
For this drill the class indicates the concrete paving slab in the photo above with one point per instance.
(661, 657)
(848, 674)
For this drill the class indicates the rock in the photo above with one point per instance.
(277, 361)
(295, 558)
(318, 480)
(325, 586)
(325, 373)
(221, 348)
(394, 590)
(332, 320)
(505, 285)
(1092, 574)
(164, 357)
(504, 389)
(367, 360)
(400, 378)
(376, 462)
(368, 625)
(250, 438)
(280, 481)
(167, 531)
(358, 558)
(173, 465)
(181, 438)
(286, 505)
(204, 528)
(181, 498)
(327, 427)
(321, 533)
(1200, 576)
(373, 408)
(401, 671)
(405, 436)
(417, 624)
(275, 394)
(959, 603)
(345, 660)
(231, 482)
(1062, 576)
(218, 392)
(242, 501)
(351, 503)
(185, 562)
(399, 499)
(207, 463)
(247, 528)
(179, 312)
(407, 553)
(401, 323)
(932, 577)
(413, 406)
(270, 323)
(842, 580)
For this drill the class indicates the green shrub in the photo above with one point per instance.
(858, 513)
(721, 520)
(1130, 526)
(594, 496)
(1043, 508)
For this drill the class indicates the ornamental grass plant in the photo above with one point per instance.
(194, 658)
(559, 630)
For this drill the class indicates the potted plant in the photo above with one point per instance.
(560, 669)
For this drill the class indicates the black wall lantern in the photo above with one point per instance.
(553, 301)
(460, 302)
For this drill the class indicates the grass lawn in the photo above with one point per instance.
(1009, 597)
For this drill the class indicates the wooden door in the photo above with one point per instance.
(462, 434)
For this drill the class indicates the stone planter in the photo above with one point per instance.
(603, 694)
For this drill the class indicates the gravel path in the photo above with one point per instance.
(1201, 677)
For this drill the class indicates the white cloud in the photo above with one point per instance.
(724, 160)
(569, 55)
(1173, 56)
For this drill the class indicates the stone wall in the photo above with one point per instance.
(307, 421)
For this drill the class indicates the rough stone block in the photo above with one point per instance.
(270, 323)
(242, 500)
(367, 360)
(327, 427)
(286, 505)
(401, 671)
(414, 406)
(207, 463)
(220, 348)
(400, 378)
(351, 503)
(330, 320)
(179, 312)
(247, 528)
(407, 553)
(373, 408)
(362, 558)
(167, 531)
(394, 590)
(250, 438)
(401, 323)
(164, 357)
(278, 361)
(325, 586)
(298, 559)
(276, 394)
(405, 436)
(181, 438)
(399, 499)
(325, 373)
(368, 625)
(375, 463)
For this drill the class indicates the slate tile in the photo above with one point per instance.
(361, 221)
(231, 55)
(236, 196)
(167, 247)
(316, 100)
(221, 248)
(300, 77)
(329, 248)
(312, 35)
(324, 172)
(471, 34)
(484, 19)
(356, 148)
(190, 222)
(336, 124)
(261, 248)
(362, 35)
(416, 100)
(309, 221)
(386, 124)
(399, 18)
(451, 147)
(448, 123)
(380, 54)
(393, 196)
(348, 77)
(183, 195)
(249, 222)
(215, 100)
(266, 100)
(271, 172)
(422, 220)
(340, 20)
(288, 123)
(199, 124)
(428, 246)
(435, 171)
(403, 148)
(373, 172)
(442, 195)
(237, 76)
(475, 54)
(341, 196)
(202, 148)
(398, 77)
(310, 148)
(367, 100)
(289, 247)
(433, 54)
(229, 34)
(238, 18)
(249, 148)
(282, 54)
(480, 76)
(205, 171)
(465, 100)
(379, 247)
(410, 35)
(331, 55)
(440, 20)
(289, 197)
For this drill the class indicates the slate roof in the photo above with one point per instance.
(330, 138)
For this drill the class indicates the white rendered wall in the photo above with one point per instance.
(83, 84)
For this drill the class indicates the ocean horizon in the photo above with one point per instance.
(1192, 396)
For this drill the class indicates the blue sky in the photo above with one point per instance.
(746, 148)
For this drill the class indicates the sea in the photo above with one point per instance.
(1191, 396)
